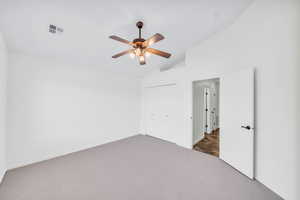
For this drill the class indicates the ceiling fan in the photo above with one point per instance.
(140, 46)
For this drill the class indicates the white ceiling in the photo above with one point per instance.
(88, 23)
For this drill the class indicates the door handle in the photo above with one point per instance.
(246, 127)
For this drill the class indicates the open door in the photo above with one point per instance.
(237, 121)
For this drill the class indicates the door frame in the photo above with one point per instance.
(192, 105)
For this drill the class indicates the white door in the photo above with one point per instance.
(161, 111)
(237, 120)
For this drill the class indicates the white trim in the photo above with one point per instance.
(2, 174)
(162, 85)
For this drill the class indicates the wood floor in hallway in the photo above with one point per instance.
(209, 144)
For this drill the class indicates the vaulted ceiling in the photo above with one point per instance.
(87, 25)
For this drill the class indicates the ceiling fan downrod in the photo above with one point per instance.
(140, 24)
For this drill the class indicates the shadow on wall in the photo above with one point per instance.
(298, 135)
(255, 122)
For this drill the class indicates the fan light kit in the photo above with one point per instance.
(141, 46)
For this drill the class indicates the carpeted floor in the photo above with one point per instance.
(136, 168)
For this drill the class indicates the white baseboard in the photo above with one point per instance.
(2, 173)
(198, 140)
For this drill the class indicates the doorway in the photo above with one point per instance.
(206, 116)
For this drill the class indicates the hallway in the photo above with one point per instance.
(209, 144)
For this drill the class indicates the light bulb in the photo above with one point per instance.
(142, 58)
(138, 52)
(132, 55)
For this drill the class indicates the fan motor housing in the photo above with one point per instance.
(138, 42)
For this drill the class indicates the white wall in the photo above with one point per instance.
(266, 37)
(3, 62)
(56, 108)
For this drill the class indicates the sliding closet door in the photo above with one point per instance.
(162, 112)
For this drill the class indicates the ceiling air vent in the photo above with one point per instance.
(54, 29)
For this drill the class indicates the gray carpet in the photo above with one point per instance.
(136, 168)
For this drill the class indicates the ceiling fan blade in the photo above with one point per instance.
(155, 38)
(123, 53)
(158, 52)
(120, 39)
(142, 60)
